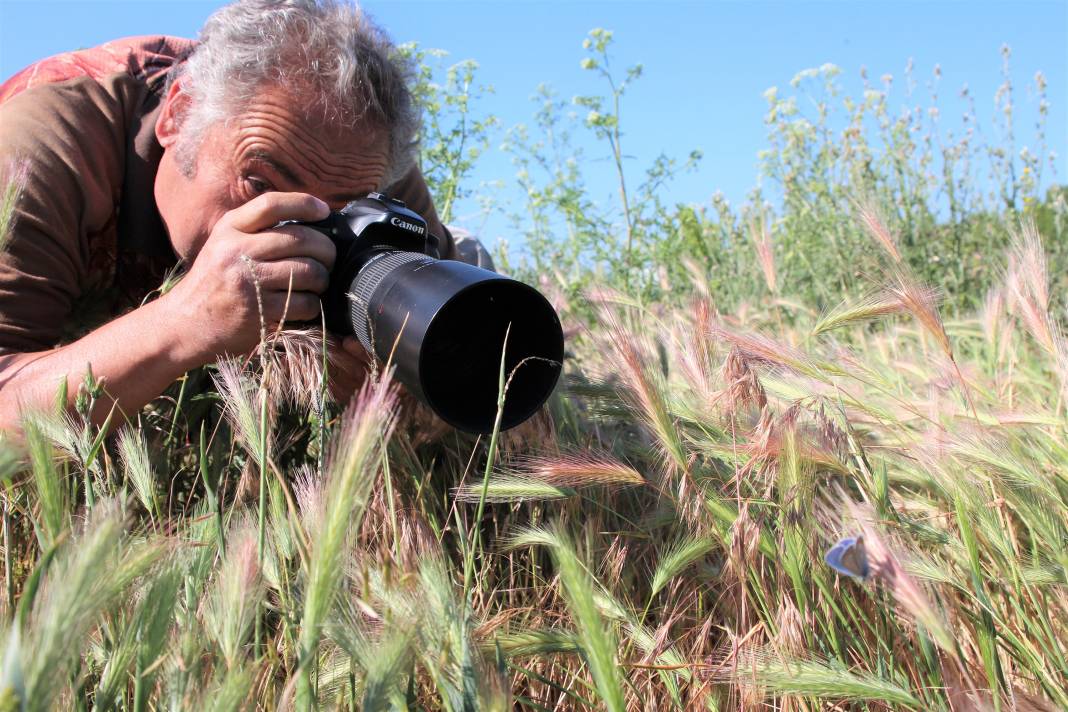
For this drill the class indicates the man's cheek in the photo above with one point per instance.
(215, 208)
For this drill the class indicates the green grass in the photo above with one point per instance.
(679, 560)
(655, 539)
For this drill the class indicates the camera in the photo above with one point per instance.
(442, 323)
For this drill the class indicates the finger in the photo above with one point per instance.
(349, 350)
(342, 389)
(300, 274)
(347, 363)
(269, 209)
(286, 241)
(294, 306)
(353, 346)
(344, 384)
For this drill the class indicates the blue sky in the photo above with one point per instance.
(707, 64)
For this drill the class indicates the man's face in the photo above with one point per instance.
(271, 146)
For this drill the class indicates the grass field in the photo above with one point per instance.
(742, 391)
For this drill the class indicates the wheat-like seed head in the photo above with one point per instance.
(765, 250)
(876, 228)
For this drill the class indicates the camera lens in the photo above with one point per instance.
(443, 324)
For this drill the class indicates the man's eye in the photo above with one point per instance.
(257, 186)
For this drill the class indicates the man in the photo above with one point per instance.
(152, 152)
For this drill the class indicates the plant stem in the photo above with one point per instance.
(139, 682)
(90, 498)
(9, 582)
(469, 560)
(388, 478)
(262, 535)
(211, 488)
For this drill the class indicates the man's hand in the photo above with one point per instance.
(216, 303)
(350, 365)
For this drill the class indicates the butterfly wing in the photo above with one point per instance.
(848, 557)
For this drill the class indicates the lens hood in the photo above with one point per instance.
(443, 325)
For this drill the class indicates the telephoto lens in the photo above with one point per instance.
(443, 324)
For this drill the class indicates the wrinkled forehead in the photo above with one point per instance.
(309, 145)
(309, 111)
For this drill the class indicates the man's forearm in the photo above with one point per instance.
(136, 356)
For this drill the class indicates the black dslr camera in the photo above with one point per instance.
(441, 322)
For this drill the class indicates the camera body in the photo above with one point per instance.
(363, 229)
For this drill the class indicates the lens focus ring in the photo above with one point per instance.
(367, 281)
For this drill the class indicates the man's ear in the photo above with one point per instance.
(172, 115)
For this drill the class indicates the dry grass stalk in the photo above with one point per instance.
(742, 559)
(308, 492)
(231, 604)
(761, 349)
(694, 352)
(876, 228)
(887, 567)
(820, 443)
(643, 388)
(241, 403)
(765, 251)
(698, 277)
(353, 470)
(580, 469)
(789, 641)
(1027, 285)
(992, 314)
(295, 359)
(742, 388)
(874, 306)
(922, 303)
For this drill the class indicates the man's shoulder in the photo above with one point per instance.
(78, 114)
(144, 58)
(76, 123)
(84, 111)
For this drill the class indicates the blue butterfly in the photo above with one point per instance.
(849, 558)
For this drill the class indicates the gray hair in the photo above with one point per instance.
(326, 52)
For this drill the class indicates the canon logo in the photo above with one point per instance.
(418, 229)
